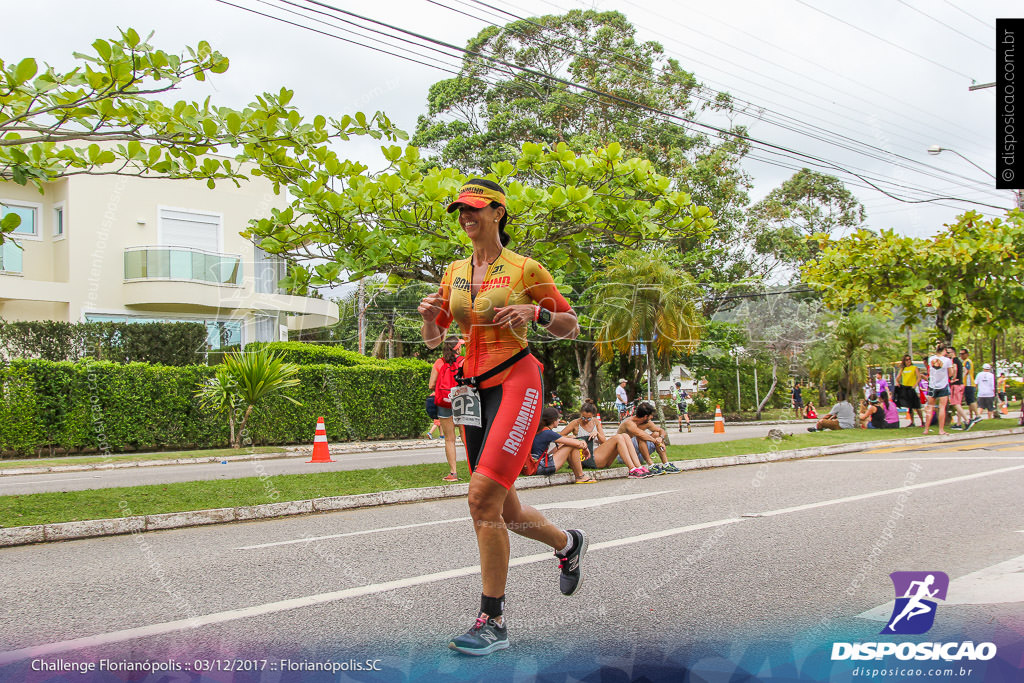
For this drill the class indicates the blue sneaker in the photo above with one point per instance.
(670, 468)
(656, 469)
(484, 638)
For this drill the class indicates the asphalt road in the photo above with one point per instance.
(755, 568)
(95, 479)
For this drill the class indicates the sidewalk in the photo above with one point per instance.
(64, 531)
(296, 452)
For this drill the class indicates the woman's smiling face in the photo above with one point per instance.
(476, 221)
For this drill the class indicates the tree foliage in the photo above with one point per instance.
(806, 204)
(970, 274)
(105, 116)
(850, 344)
(394, 222)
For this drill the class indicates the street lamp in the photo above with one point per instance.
(935, 150)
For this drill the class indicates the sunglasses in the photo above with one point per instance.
(586, 419)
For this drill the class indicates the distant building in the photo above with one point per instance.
(110, 248)
(681, 374)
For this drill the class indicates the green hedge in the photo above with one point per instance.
(316, 354)
(107, 407)
(165, 343)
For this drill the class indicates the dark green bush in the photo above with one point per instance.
(317, 354)
(164, 343)
(108, 407)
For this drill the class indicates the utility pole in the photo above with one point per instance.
(361, 316)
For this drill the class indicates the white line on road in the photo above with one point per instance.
(996, 585)
(572, 504)
(929, 458)
(372, 589)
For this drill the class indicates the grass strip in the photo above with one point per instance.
(69, 506)
(805, 439)
(133, 457)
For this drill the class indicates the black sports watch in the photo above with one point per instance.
(544, 317)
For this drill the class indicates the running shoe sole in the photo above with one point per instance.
(493, 647)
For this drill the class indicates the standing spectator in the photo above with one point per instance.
(621, 399)
(798, 400)
(907, 394)
(842, 416)
(442, 379)
(987, 391)
(868, 388)
(680, 397)
(881, 385)
(970, 387)
(940, 371)
(956, 388)
(1001, 388)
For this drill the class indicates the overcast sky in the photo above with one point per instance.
(889, 74)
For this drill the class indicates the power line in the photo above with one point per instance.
(600, 94)
(885, 40)
(951, 28)
(986, 25)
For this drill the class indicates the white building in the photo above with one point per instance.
(110, 248)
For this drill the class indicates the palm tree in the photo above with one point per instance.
(642, 299)
(244, 381)
(855, 341)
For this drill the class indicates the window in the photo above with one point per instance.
(269, 269)
(219, 333)
(58, 221)
(10, 257)
(180, 228)
(29, 218)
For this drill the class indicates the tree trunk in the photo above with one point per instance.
(241, 427)
(771, 389)
(943, 326)
(652, 385)
(231, 426)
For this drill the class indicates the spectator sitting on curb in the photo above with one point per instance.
(603, 449)
(548, 461)
(643, 433)
(842, 416)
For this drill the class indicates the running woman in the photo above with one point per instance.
(494, 295)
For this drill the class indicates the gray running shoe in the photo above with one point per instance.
(484, 638)
(572, 578)
(970, 424)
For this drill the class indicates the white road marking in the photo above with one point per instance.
(929, 458)
(372, 589)
(996, 585)
(571, 504)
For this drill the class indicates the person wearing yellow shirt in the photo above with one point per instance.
(907, 395)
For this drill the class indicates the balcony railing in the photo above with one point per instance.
(10, 257)
(182, 263)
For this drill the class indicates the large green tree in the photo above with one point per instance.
(968, 275)
(849, 345)
(110, 115)
(780, 227)
(513, 87)
(395, 222)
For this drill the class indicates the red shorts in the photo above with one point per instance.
(956, 394)
(510, 416)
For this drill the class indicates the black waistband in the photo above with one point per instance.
(500, 367)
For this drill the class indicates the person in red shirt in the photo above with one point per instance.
(495, 295)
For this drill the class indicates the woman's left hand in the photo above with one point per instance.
(516, 315)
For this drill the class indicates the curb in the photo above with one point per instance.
(134, 524)
(285, 452)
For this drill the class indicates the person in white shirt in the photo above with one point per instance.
(621, 399)
(940, 370)
(986, 382)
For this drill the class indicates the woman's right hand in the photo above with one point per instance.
(431, 306)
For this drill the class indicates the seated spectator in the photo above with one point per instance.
(890, 410)
(645, 435)
(549, 461)
(869, 413)
(603, 449)
(842, 416)
(810, 414)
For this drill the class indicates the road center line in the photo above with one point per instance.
(373, 589)
(43, 481)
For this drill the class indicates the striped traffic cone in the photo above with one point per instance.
(719, 421)
(320, 452)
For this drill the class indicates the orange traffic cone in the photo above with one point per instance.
(320, 452)
(719, 421)
(1003, 410)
